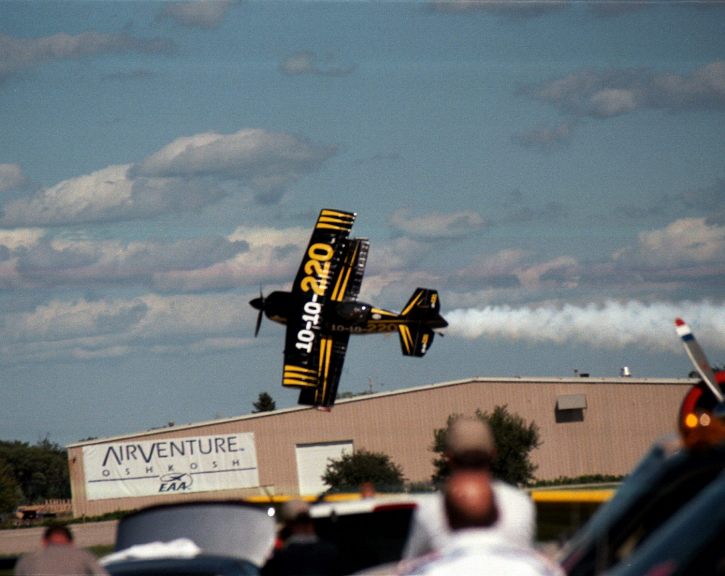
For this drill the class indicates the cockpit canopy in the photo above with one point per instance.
(353, 312)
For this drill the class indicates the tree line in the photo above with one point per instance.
(513, 436)
(31, 474)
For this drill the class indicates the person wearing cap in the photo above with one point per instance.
(473, 547)
(302, 552)
(469, 445)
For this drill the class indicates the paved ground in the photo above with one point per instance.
(15, 542)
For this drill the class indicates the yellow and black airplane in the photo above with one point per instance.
(322, 311)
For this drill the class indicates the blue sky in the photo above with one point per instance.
(556, 170)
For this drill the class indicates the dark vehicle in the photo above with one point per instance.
(668, 517)
(199, 538)
(691, 543)
(367, 533)
(665, 483)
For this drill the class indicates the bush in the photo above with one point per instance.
(514, 440)
(352, 470)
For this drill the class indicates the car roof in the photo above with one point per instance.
(225, 528)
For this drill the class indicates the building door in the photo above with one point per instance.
(312, 460)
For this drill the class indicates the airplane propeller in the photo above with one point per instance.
(258, 303)
(698, 358)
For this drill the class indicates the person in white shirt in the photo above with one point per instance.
(472, 547)
(469, 445)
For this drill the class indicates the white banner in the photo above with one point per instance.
(170, 466)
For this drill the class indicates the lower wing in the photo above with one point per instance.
(330, 361)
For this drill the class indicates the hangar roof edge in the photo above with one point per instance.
(400, 391)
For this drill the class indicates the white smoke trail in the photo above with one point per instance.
(610, 325)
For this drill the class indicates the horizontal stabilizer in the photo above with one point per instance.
(415, 340)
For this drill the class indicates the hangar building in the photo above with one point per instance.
(586, 426)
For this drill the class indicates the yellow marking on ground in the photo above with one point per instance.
(573, 496)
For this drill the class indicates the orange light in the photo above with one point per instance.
(691, 420)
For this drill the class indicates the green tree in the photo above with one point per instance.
(350, 471)
(10, 495)
(514, 438)
(40, 471)
(264, 403)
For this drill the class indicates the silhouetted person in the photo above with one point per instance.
(58, 556)
(473, 548)
(469, 445)
(302, 552)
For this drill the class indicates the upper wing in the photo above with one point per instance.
(312, 289)
(324, 252)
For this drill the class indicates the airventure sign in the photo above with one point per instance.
(171, 466)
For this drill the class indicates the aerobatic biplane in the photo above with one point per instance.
(322, 310)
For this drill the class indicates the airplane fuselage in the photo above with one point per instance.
(350, 316)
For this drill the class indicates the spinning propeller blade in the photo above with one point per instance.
(258, 303)
(698, 358)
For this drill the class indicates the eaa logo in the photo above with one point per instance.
(175, 482)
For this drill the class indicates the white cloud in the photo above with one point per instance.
(274, 238)
(546, 139)
(308, 63)
(83, 199)
(11, 177)
(61, 262)
(516, 9)
(62, 320)
(272, 257)
(608, 93)
(17, 54)
(20, 237)
(266, 161)
(613, 102)
(684, 241)
(107, 195)
(562, 267)
(197, 13)
(88, 329)
(514, 268)
(183, 176)
(437, 225)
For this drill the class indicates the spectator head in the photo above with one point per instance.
(294, 511)
(57, 534)
(296, 519)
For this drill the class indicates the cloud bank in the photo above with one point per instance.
(20, 54)
(610, 93)
(186, 175)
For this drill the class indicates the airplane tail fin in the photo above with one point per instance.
(422, 316)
